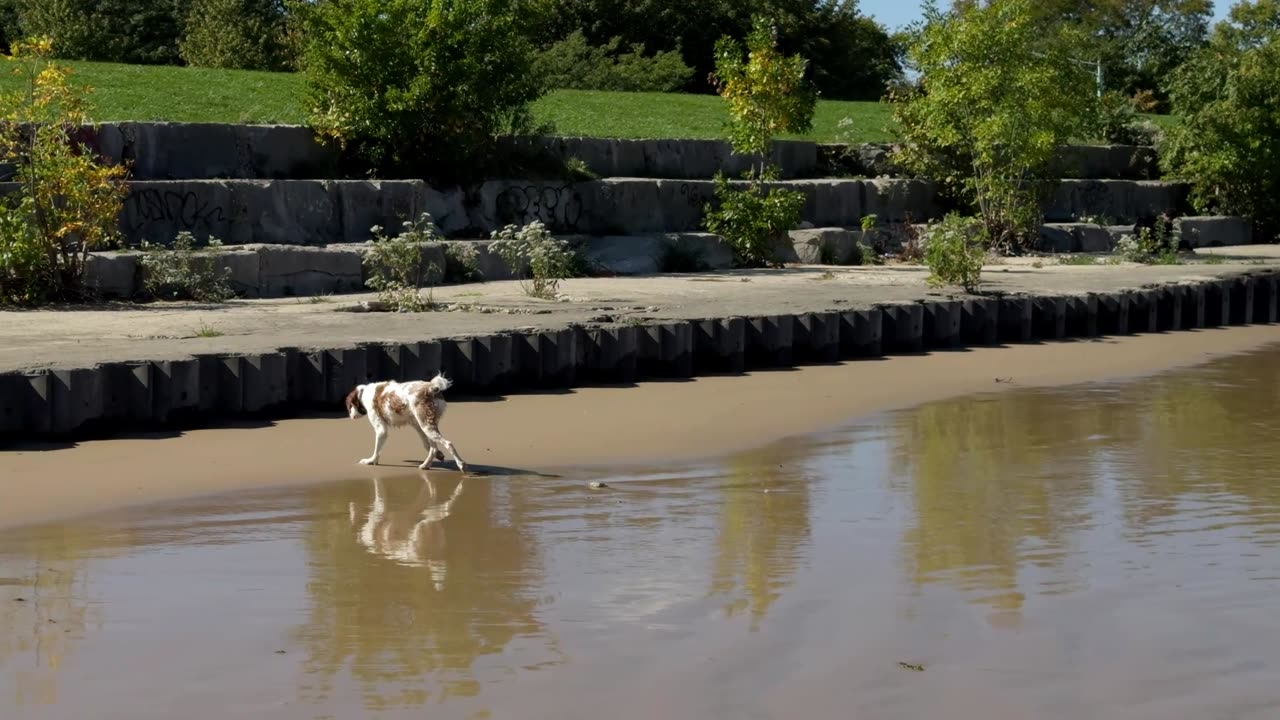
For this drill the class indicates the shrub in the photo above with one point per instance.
(1000, 92)
(396, 269)
(766, 95)
(548, 260)
(954, 251)
(234, 34)
(1119, 124)
(1228, 143)
(418, 87)
(754, 221)
(1150, 245)
(185, 272)
(461, 262)
(121, 31)
(67, 202)
(573, 63)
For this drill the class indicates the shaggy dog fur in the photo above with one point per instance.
(419, 404)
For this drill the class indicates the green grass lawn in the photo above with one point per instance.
(142, 92)
(138, 92)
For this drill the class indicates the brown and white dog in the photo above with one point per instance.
(419, 404)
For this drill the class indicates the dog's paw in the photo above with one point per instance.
(368, 461)
(462, 467)
(425, 466)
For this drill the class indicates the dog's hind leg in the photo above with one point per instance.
(379, 440)
(429, 446)
(442, 442)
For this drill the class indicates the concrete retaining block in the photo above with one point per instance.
(1017, 319)
(113, 274)
(861, 333)
(1125, 200)
(75, 398)
(127, 392)
(1264, 299)
(942, 322)
(1113, 313)
(825, 246)
(26, 403)
(1144, 311)
(458, 363)
(1108, 162)
(289, 271)
(175, 389)
(676, 159)
(611, 354)
(719, 346)
(980, 321)
(1212, 231)
(163, 151)
(1194, 306)
(903, 328)
(816, 337)
(1217, 303)
(1049, 317)
(769, 341)
(264, 381)
(1082, 316)
(1242, 293)
(548, 358)
(665, 351)
(1168, 309)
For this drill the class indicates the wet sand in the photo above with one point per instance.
(546, 433)
(1101, 550)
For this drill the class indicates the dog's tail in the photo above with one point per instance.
(440, 383)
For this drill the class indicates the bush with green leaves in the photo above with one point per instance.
(418, 88)
(186, 271)
(767, 95)
(954, 249)
(235, 34)
(1227, 146)
(540, 260)
(396, 269)
(1153, 245)
(1119, 124)
(573, 63)
(1000, 92)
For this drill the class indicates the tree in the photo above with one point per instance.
(1000, 91)
(236, 34)
(124, 31)
(418, 88)
(851, 57)
(1228, 143)
(767, 95)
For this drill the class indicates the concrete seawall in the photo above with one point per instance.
(110, 397)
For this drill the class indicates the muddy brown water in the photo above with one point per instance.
(1103, 550)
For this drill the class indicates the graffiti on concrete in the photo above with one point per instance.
(179, 210)
(559, 207)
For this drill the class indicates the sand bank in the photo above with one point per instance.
(540, 433)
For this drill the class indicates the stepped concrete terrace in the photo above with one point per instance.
(75, 371)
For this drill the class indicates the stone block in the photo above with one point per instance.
(26, 405)
(699, 251)
(825, 246)
(458, 357)
(493, 363)
(665, 350)
(77, 398)
(298, 271)
(861, 333)
(1264, 299)
(1217, 231)
(175, 388)
(1144, 311)
(626, 254)
(1168, 308)
(1057, 238)
(1217, 303)
(264, 381)
(1194, 306)
(611, 354)
(127, 392)
(112, 274)
(1242, 291)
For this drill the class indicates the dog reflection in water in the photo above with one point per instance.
(411, 534)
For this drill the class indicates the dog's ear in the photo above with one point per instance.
(355, 406)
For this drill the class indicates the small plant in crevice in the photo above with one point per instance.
(1154, 245)
(185, 271)
(206, 330)
(954, 251)
(396, 269)
(755, 220)
(540, 260)
(678, 258)
(461, 263)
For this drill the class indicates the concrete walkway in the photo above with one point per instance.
(75, 337)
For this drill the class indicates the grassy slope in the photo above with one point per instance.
(136, 92)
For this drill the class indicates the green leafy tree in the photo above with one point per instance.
(767, 95)
(1228, 143)
(123, 31)
(235, 34)
(1000, 91)
(575, 64)
(417, 87)
(67, 202)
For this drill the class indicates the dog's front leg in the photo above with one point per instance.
(379, 439)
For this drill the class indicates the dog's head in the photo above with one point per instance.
(355, 405)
